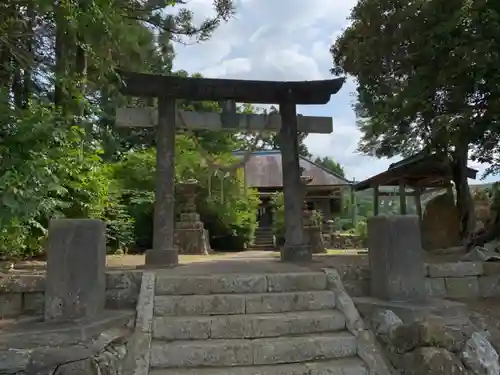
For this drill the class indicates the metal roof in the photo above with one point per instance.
(263, 170)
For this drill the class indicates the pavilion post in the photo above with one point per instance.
(354, 208)
(295, 248)
(402, 198)
(376, 203)
(418, 202)
(164, 253)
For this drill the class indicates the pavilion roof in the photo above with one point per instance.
(418, 171)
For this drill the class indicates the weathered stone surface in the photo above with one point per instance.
(191, 240)
(435, 286)
(137, 359)
(247, 326)
(45, 359)
(301, 281)
(145, 305)
(384, 322)
(123, 280)
(215, 284)
(462, 287)
(299, 349)
(11, 305)
(491, 268)
(296, 253)
(214, 304)
(76, 264)
(440, 223)
(34, 303)
(22, 283)
(479, 356)
(121, 298)
(370, 352)
(285, 302)
(344, 302)
(395, 257)
(198, 353)
(489, 286)
(14, 361)
(432, 361)
(408, 337)
(175, 328)
(349, 366)
(455, 269)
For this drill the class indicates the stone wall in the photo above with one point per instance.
(443, 280)
(24, 294)
(337, 241)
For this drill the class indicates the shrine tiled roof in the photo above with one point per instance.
(263, 170)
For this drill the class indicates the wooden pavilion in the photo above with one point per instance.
(414, 176)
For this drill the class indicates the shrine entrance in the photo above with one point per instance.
(227, 91)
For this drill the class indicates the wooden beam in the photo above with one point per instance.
(243, 91)
(147, 117)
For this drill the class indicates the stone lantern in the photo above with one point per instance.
(190, 234)
(312, 231)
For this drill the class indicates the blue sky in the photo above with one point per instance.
(287, 40)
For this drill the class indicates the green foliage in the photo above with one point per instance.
(35, 188)
(278, 205)
(331, 165)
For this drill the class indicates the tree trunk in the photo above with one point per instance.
(465, 205)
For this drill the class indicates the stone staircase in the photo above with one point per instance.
(273, 324)
(264, 239)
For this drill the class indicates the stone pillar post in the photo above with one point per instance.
(164, 252)
(396, 258)
(191, 236)
(294, 249)
(76, 269)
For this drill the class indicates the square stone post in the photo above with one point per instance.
(76, 269)
(396, 258)
(295, 248)
(164, 252)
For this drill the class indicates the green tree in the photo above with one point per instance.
(331, 165)
(427, 80)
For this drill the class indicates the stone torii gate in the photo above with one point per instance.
(170, 88)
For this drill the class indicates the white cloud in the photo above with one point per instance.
(286, 40)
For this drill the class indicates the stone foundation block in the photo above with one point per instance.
(76, 269)
(215, 304)
(296, 282)
(173, 328)
(11, 305)
(491, 268)
(301, 349)
(395, 258)
(34, 303)
(489, 286)
(456, 269)
(462, 287)
(436, 287)
(220, 284)
(197, 353)
(283, 302)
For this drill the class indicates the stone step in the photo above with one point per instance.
(247, 325)
(238, 283)
(265, 351)
(345, 366)
(230, 304)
